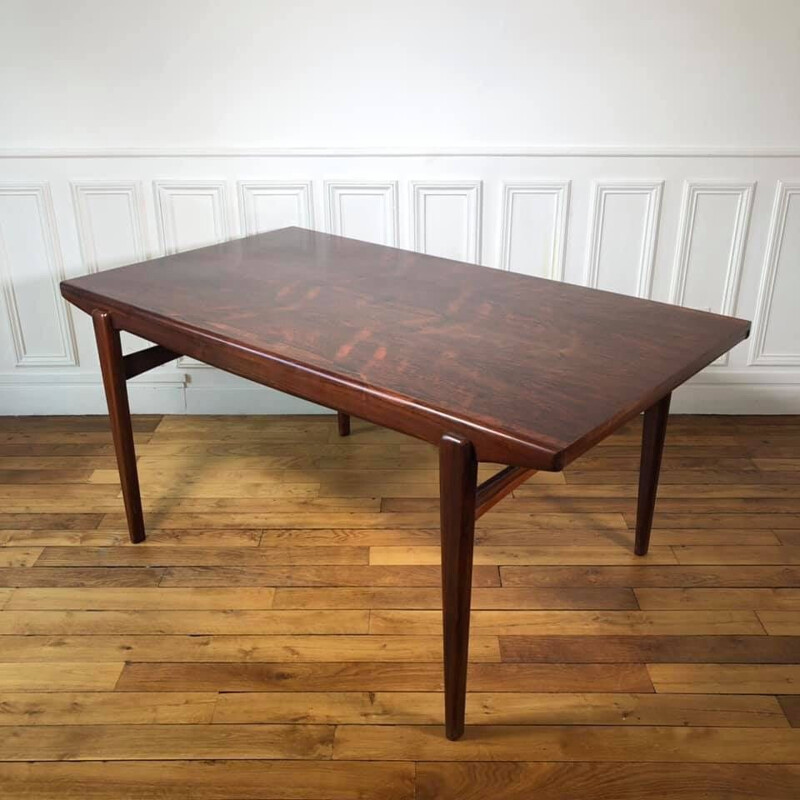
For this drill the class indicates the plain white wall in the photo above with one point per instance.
(366, 73)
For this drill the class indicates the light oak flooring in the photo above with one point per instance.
(278, 635)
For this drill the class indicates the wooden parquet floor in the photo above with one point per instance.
(278, 636)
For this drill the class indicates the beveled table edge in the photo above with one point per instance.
(388, 409)
(394, 410)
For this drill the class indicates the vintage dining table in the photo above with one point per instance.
(485, 364)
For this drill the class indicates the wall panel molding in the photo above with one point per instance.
(532, 210)
(131, 192)
(291, 203)
(433, 151)
(692, 192)
(169, 193)
(35, 252)
(776, 259)
(734, 242)
(465, 198)
(382, 228)
(651, 191)
(555, 252)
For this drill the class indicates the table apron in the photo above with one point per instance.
(389, 411)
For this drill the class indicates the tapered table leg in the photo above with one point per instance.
(653, 433)
(344, 423)
(458, 474)
(112, 366)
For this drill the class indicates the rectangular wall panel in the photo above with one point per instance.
(37, 319)
(366, 211)
(776, 337)
(110, 218)
(623, 232)
(447, 219)
(711, 243)
(191, 214)
(268, 205)
(534, 235)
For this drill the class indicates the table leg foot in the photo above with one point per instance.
(458, 473)
(344, 423)
(113, 369)
(653, 434)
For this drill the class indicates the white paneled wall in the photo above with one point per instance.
(447, 219)
(535, 228)
(777, 333)
(622, 236)
(714, 231)
(366, 211)
(268, 205)
(39, 326)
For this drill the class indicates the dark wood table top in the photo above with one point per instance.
(532, 370)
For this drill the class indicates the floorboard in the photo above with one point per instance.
(278, 636)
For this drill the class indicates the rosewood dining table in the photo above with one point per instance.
(486, 365)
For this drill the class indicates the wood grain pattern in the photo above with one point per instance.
(616, 681)
(597, 781)
(61, 578)
(19, 556)
(276, 308)
(209, 780)
(59, 676)
(87, 599)
(780, 622)
(165, 741)
(197, 556)
(641, 575)
(720, 648)
(107, 708)
(191, 621)
(570, 743)
(580, 623)
(217, 538)
(379, 676)
(511, 598)
(226, 647)
(790, 704)
(726, 678)
(304, 575)
(767, 599)
(516, 555)
(501, 708)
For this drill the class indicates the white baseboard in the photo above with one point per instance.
(744, 399)
(246, 400)
(82, 396)
(732, 392)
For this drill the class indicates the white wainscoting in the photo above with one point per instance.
(622, 238)
(715, 231)
(535, 228)
(366, 211)
(267, 205)
(447, 219)
(39, 324)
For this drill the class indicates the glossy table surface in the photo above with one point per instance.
(550, 367)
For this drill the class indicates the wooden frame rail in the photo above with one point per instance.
(143, 360)
(493, 490)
